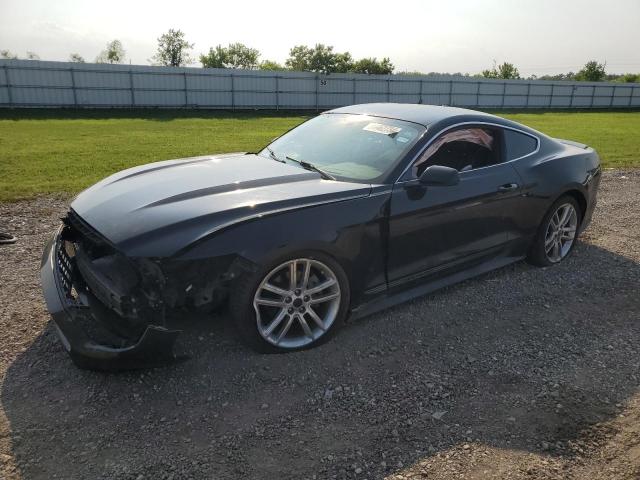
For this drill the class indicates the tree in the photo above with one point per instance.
(241, 56)
(559, 76)
(343, 62)
(434, 74)
(592, 72)
(412, 72)
(270, 65)
(76, 58)
(506, 71)
(216, 58)
(114, 53)
(299, 58)
(173, 49)
(32, 56)
(322, 59)
(236, 55)
(6, 54)
(317, 59)
(629, 78)
(373, 67)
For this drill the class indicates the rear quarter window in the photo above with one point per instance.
(518, 144)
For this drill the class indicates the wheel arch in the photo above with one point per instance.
(579, 197)
(309, 248)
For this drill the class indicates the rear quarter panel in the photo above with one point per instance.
(556, 169)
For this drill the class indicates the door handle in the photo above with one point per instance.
(508, 187)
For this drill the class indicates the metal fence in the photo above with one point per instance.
(32, 83)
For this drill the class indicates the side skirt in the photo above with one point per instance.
(390, 299)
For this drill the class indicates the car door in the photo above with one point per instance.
(432, 228)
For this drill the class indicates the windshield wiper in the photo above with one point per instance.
(274, 156)
(311, 166)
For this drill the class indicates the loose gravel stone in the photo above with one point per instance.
(523, 373)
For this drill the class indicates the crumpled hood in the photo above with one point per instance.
(161, 208)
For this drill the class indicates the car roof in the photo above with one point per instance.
(410, 112)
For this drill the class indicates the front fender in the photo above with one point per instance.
(350, 231)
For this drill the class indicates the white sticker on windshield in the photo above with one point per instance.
(383, 129)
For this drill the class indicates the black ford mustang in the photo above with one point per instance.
(355, 210)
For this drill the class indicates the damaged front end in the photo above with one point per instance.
(112, 312)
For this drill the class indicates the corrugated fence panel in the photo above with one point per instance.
(404, 87)
(101, 80)
(490, 94)
(561, 96)
(210, 99)
(405, 90)
(209, 82)
(621, 97)
(254, 92)
(404, 98)
(582, 95)
(334, 99)
(40, 78)
(435, 92)
(338, 85)
(255, 99)
(539, 95)
(373, 86)
(635, 97)
(160, 98)
(120, 98)
(144, 81)
(297, 91)
(464, 93)
(289, 84)
(62, 84)
(257, 84)
(4, 89)
(42, 96)
(516, 95)
(297, 100)
(602, 96)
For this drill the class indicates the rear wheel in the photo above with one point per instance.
(293, 304)
(557, 234)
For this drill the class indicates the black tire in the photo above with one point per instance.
(537, 255)
(244, 289)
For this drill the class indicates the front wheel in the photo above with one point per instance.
(292, 304)
(557, 234)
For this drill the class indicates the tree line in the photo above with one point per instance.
(175, 50)
(592, 71)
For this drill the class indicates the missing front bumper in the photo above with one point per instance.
(153, 348)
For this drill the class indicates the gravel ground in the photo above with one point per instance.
(521, 373)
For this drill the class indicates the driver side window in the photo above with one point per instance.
(463, 149)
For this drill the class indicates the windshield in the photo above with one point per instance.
(348, 147)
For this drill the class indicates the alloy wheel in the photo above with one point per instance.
(561, 232)
(296, 303)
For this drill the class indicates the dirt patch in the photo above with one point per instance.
(521, 373)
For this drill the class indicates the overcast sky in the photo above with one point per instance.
(539, 36)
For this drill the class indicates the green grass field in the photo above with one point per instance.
(48, 151)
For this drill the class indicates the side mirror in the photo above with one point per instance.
(437, 175)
